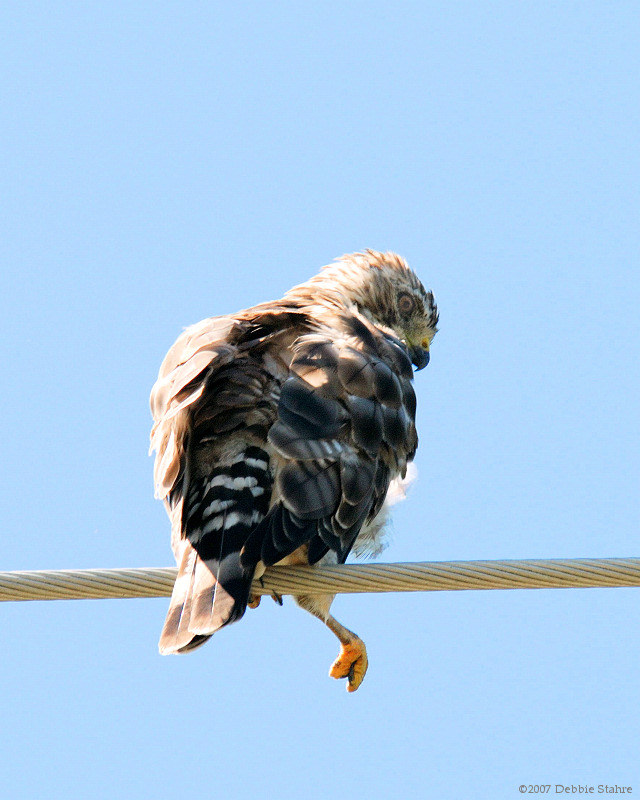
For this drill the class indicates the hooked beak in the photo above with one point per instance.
(419, 356)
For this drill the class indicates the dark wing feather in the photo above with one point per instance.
(343, 427)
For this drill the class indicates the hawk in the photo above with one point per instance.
(278, 432)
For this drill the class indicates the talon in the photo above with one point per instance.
(254, 600)
(351, 664)
(277, 598)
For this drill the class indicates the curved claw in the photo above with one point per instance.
(352, 664)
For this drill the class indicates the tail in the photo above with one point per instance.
(211, 525)
(208, 594)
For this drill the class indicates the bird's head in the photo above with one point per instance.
(384, 289)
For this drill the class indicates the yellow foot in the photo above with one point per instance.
(351, 664)
(254, 600)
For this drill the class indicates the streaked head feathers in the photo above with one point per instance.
(383, 288)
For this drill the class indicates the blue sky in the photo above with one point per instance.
(166, 162)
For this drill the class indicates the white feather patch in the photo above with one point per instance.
(399, 487)
(371, 539)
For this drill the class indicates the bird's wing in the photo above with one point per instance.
(345, 428)
(213, 407)
(199, 350)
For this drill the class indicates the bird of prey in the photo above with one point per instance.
(278, 433)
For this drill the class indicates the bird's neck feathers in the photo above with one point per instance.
(359, 282)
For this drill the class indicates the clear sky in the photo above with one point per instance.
(164, 162)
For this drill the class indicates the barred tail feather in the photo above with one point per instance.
(220, 593)
(175, 633)
(207, 595)
(219, 512)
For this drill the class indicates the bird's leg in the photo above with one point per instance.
(352, 662)
(254, 599)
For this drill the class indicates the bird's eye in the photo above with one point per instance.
(406, 303)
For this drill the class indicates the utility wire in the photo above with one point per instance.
(423, 576)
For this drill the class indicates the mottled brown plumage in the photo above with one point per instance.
(278, 431)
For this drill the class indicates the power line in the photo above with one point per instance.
(409, 577)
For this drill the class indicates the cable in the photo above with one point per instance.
(410, 577)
